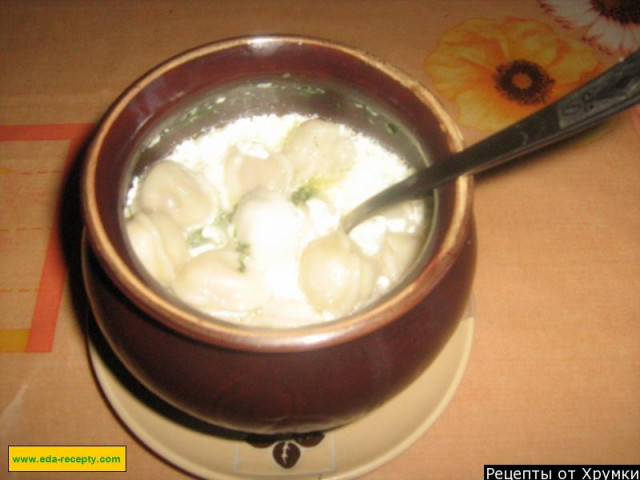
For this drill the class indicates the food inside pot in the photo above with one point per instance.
(242, 221)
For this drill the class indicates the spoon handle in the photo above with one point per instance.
(607, 94)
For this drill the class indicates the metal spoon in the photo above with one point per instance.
(607, 94)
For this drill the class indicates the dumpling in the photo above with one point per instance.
(335, 275)
(159, 243)
(398, 252)
(177, 191)
(271, 227)
(318, 149)
(215, 281)
(245, 173)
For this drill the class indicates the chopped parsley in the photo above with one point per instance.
(224, 219)
(196, 238)
(244, 250)
(304, 193)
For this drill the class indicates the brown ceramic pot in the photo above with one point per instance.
(257, 379)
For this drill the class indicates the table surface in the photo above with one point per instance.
(554, 372)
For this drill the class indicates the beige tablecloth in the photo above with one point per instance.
(554, 372)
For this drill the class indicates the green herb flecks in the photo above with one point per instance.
(213, 235)
(304, 193)
(196, 238)
(244, 250)
(224, 219)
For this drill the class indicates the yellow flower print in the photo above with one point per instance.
(499, 71)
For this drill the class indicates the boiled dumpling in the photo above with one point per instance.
(271, 227)
(177, 191)
(215, 281)
(398, 252)
(318, 149)
(335, 275)
(159, 243)
(245, 173)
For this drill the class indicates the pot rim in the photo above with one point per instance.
(263, 339)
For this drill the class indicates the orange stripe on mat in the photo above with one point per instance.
(53, 275)
(38, 133)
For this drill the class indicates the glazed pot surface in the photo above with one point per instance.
(274, 393)
(265, 380)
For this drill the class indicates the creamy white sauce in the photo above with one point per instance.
(241, 221)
